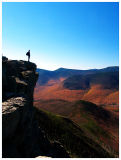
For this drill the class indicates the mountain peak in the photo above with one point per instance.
(61, 69)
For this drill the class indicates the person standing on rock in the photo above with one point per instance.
(28, 54)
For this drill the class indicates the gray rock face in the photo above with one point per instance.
(18, 82)
(18, 77)
(11, 115)
(21, 135)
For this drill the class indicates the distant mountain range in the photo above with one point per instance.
(100, 86)
(46, 75)
(107, 80)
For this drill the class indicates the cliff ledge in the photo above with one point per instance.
(21, 135)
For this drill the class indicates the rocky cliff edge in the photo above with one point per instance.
(21, 136)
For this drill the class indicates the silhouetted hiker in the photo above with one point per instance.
(28, 54)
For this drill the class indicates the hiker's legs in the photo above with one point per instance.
(28, 58)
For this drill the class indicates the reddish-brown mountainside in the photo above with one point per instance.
(54, 89)
(98, 123)
(90, 100)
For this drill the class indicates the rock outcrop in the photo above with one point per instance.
(21, 135)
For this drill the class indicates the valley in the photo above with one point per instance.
(54, 89)
(90, 99)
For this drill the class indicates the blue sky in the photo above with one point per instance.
(74, 35)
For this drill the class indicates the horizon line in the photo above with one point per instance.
(62, 67)
(77, 69)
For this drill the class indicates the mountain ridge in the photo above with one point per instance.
(62, 68)
(108, 80)
(46, 75)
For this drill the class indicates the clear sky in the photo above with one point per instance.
(74, 35)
